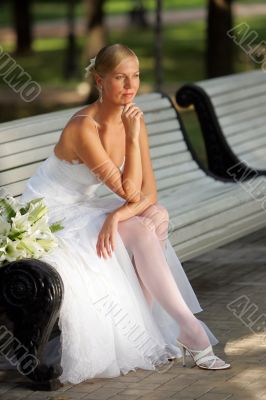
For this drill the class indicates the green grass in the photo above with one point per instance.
(122, 6)
(50, 10)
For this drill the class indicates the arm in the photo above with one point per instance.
(130, 209)
(148, 193)
(132, 174)
(148, 196)
(88, 147)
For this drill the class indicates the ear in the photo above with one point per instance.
(98, 80)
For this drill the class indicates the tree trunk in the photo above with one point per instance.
(96, 37)
(96, 33)
(22, 18)
(70, 67)
(158, 46)
(219, 45)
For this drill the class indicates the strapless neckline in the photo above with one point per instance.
(76, 162)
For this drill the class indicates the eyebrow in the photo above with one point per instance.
(122, 73)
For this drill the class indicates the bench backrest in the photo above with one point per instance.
(26, 142)
(239, 102)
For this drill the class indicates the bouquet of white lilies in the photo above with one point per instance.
(24, 229)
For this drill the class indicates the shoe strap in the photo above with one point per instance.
(202, 353)
(208, 358)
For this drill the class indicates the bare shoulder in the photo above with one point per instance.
(78, 129)
(83, 117)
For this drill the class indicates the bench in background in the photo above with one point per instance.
(231, 112)
(205, 212)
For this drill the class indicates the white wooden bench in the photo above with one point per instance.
(204, 212)
(231, 112)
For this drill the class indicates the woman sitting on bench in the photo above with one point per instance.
(127, 298)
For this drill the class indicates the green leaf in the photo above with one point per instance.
(25, 209)
(10, 212)
(56, 226)
(16, 235)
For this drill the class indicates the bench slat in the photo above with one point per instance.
(253, 113)
(229, 83)
(211, 240)
(215, 222)
(25, 158)
(56, 121)
(244, 136)
(241, 105)
(240, 94)
(245, 125)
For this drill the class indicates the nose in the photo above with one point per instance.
(128, 83)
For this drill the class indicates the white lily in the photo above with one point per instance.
(36, 210)
(40, 227)
(24, 230)
(31, 246)
(19, 225)
(13, 252)
(46, 244)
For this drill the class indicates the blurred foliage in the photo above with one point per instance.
(44, 10)
(50, 10)
(183, 54)
(183, 50)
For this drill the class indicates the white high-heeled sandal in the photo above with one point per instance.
(201, 357)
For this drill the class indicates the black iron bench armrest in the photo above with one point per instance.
(31, 293)
(222, 162)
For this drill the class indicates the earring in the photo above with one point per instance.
(100, 94)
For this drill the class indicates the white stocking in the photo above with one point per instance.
(155, 218)
(140, 236)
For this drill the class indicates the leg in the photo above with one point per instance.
(157, 219)
(158, 216)
(157, 277)
(147, 293)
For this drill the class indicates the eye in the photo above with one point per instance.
(137, 75)
(119, 77)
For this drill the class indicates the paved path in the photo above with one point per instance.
(59, 28)
(219, 277)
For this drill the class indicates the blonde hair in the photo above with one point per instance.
(108, 58)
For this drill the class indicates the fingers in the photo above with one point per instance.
(105, 246)
(128, 106)
(131, 110)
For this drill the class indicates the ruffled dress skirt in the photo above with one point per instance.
(107, 327)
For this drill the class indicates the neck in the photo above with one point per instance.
(109, 112)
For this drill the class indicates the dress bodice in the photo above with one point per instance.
(61, 181)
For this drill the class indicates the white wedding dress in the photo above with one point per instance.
(107, 326)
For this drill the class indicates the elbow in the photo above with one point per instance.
(133, 197)
(132, 194)
(154, 199)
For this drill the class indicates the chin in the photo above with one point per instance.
(127, 101)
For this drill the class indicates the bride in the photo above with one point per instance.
(127, 301)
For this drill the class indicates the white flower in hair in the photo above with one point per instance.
(89, 67)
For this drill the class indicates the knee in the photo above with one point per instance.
(157, 213)
(160, 217)
(136, 230)
(161, 212)
(145, 230)
(161, 221)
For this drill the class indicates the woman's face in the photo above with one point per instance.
(121, 85)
